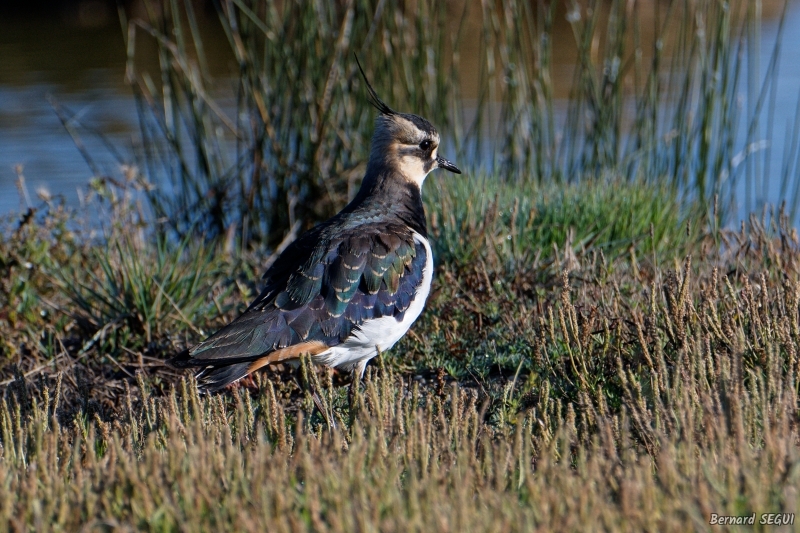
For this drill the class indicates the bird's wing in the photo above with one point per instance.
(318, 291)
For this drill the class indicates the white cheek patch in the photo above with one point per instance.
(413, 168)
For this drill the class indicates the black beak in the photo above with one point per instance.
(447, 165)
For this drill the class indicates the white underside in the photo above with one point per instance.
(382, 333)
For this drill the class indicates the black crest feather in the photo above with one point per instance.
(374, 99)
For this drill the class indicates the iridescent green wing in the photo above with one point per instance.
(363, 274)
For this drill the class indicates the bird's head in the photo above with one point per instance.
(404, 143)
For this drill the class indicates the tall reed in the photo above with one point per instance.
(289, 147)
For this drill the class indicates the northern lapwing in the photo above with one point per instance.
(353, 285)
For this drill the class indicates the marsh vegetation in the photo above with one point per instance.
(601, 349)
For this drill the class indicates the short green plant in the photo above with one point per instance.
(154, 290)
(484, 216)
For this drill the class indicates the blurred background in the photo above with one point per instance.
(242, 118)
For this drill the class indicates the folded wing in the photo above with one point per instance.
(315, 295)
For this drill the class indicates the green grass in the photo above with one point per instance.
(474, 217)
(152, 290)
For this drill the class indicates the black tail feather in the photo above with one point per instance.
(213, 375)
(215, 378)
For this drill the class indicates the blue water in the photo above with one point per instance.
(34, 141)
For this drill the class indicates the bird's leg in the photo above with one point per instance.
(309, 379)
(352, 394)
(318, 402)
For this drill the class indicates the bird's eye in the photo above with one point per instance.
(425, 145)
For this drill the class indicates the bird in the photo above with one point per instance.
(350, 287)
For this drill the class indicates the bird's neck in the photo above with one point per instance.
(386, 190)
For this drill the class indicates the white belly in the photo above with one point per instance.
(380, 334)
